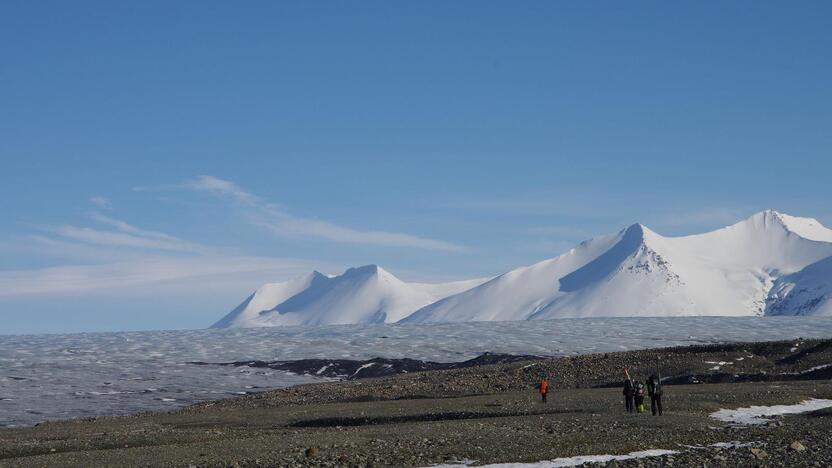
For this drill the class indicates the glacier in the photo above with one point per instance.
(47, 377)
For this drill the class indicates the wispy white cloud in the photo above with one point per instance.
(129, 261)
(114, 256)
(142, 276)
(64, 250)
(100, 202)
(120, 239)
(287, 226)
(221, 187)
(125, 235)
(279, 221)
(125, 227)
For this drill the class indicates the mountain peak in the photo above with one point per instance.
(768, 215)
(807, 228)
(369, 272)
(317, 274)
(638, 233)
(366, 270)
(632, 272)
(636, 229)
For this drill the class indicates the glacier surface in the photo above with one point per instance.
(47, 377)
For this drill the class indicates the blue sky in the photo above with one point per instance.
(162, 159)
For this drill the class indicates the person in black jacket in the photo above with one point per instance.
(629, 393)
(654, 391)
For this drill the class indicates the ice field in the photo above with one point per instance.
(44, 377)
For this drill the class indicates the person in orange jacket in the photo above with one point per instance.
(544, 388)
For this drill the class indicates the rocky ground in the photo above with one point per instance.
(487, 413)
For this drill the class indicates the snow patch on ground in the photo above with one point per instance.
(816, 368)
(811, 369)
(579, 460)
(760, 414)
(719, 364)
(735, 444)
(371, 364)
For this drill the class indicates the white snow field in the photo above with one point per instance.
(367, 294)
(807, 292)
(45, 377)
(760, 414)
(768, 264)
(574, 461)
(637, 272)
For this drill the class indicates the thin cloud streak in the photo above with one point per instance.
(132, 278)
(100, 202)
(126, 235)
(299, 227)
(220, 187)
(279, 222)
(120, 239)
(67, 251)
(129, 228)
(135, 262)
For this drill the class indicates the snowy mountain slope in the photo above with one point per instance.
(367, 294)
(807, 292)
(519, 291)
(770, 263)
(731, 270)
(808, 228)
(640, 273)
(441, 290)
(264, 298)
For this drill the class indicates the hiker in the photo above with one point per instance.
(654, 390)
(544, 388)
(638, 396)
(629, 392)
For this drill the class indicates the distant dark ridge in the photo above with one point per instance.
(787, 360)
(817, 348)
(818, 374)
(349, 369)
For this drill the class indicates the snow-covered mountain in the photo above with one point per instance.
(770, 263)
(807, 292)
(367, 294)
(638, 272)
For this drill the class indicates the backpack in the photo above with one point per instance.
(656, 386)
(640, 389)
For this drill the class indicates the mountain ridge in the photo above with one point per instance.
(757, 266)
